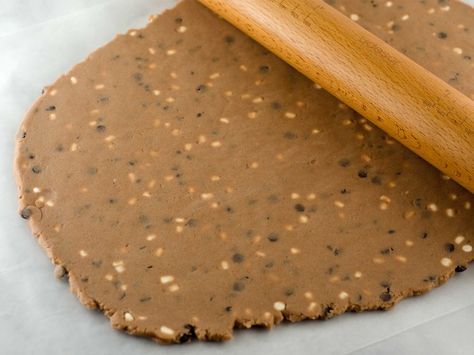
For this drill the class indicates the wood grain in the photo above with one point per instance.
(417, 108)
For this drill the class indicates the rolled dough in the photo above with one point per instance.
(188, 182)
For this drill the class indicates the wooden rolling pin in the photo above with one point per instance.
(414, 106)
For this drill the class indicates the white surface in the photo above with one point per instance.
(39, 40)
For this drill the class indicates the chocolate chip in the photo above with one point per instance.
(417, 202)
(201, 88)
(395, 28)
(362, 173)
(376, 180)
(100, 128)
(189, 335)
(272, 237)
(328, 312)
(425, 214)
(96, 263)
(36, 169)
(50, 108)
(273, 199)
(59, 271)
(237, 258)
(442, 35)
(103, 99)
(299, 207)
(31, 156)
(138, 76)
(385, 296)
(229, 39)
(192, 222)
(269, 265)
(25, 213)
(449, 247)
(460, 268)
(238, 286)
(276, 105)
(228, 309)
(344, 162)
(391, 231)
(290, 135)
(249, 233)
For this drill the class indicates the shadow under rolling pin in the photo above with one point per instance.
(405, 100)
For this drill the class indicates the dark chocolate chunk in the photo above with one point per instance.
(238, 286)
(344, 162)
(276, 105)
(36, 169)
(376, 180)
(25, 213)
(229, 39)
(237, 258)
(299, 207)
(362, 173)
(449, 247)
(201, 88)
(385, 296)
(272, 237)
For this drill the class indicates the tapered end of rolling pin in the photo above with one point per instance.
(405, 100)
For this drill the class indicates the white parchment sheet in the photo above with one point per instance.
(41, 39)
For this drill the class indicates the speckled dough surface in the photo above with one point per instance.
(187, 181)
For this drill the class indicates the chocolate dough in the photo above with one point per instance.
(189, 182)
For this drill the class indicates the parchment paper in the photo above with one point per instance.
(39, 40)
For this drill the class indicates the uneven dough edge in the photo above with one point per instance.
(328, 311)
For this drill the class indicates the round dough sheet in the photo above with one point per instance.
(188, 182)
